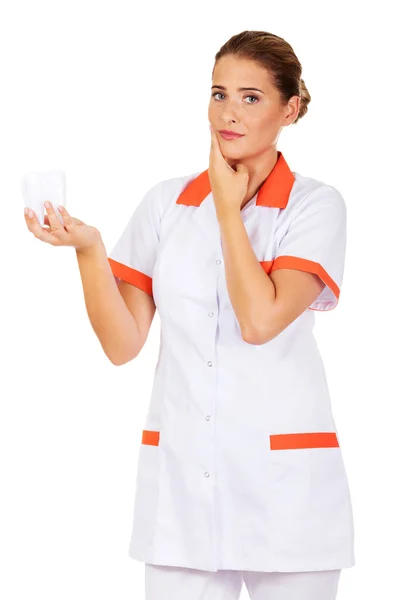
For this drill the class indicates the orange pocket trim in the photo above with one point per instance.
(132, 276)
(150, 437)
(294, 441)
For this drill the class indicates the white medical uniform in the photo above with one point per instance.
(240, 465)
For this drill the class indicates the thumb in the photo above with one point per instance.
(241, 168)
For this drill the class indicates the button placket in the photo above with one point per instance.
(211, 314)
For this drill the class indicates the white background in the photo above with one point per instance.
(116, 95)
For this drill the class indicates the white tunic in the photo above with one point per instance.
(240, 465)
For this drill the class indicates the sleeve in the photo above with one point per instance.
(315, 241)
(133, 257)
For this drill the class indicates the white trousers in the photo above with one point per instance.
(180, 583)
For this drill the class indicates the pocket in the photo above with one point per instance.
(309, 489)
(147, 486)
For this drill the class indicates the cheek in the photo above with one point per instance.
(262, 126)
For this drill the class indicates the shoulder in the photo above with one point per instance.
(310, 195)
(163, 194)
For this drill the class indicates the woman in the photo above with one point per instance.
(240, 474)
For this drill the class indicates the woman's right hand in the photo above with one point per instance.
(73, 233)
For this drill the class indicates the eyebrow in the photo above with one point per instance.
(240, 89)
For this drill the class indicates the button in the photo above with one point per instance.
(218, 262)
(207, 417)
(210, 314)
(209, 363)
(206, 474)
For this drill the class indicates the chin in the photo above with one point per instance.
(233, 158)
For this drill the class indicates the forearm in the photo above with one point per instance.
(109, 316)
(251, 291)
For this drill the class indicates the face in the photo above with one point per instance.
(256, 113)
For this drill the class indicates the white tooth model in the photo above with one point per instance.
(37, 187)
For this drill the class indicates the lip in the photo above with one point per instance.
(229, 135)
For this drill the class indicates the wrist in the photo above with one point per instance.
(227, 215)
(93, 249)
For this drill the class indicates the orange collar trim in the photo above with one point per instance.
(274, 192)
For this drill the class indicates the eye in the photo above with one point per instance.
(248, 96)
(251, 96)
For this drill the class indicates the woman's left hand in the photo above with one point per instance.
(229, 186)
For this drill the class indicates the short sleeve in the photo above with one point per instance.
(315, 241)
(133, 257)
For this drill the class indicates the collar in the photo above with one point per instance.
(274, 192)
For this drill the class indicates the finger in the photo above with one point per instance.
(215, 150)
(68, 220)
(46, 222)
(40, 232)
(47, 226)
(55, 223)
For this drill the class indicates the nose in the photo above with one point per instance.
(228, 114)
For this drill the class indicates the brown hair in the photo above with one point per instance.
(277, 57)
